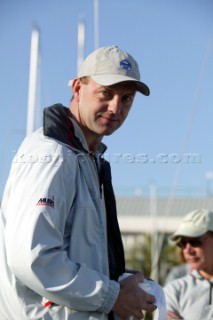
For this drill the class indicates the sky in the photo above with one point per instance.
(166, 142)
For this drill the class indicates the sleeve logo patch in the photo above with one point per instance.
(46, 202)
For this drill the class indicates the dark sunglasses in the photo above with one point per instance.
(195, 243)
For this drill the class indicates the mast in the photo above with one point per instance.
(154, 234)
(81, 42)
(33, 81)
(96, 24)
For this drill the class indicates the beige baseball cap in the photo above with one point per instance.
(111, 65)
(194, 224)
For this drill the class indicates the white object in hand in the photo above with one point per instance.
(145, 286)
(155, 289)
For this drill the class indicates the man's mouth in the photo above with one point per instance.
(108, 118)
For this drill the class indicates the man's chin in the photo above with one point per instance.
(196, 265)
(109, 132)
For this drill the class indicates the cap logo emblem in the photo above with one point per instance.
(126, 65)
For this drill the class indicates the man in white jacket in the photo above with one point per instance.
(60, 245)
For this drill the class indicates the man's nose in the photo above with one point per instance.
(115, 105)
(188, 247)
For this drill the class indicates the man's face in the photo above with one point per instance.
(198, 252)
(102, 110)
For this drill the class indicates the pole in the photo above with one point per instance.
(154, 235)
(81, 42)
(33, 79)
(96, 23)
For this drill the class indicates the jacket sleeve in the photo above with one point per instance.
(41, 193)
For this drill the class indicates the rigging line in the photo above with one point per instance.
(195, 103)
(183, 148)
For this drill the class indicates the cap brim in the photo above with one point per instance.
(187, 232)
(111, 79)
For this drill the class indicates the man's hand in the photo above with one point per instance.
(132, 300)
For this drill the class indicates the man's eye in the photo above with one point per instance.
(128, 98)
(105, 93)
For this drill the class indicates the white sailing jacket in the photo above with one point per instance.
(53, 238)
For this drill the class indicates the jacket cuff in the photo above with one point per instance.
(111, 297)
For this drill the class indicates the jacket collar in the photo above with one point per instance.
(59, 124)
(197, 275)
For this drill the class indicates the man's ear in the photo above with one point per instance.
(76, 85)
